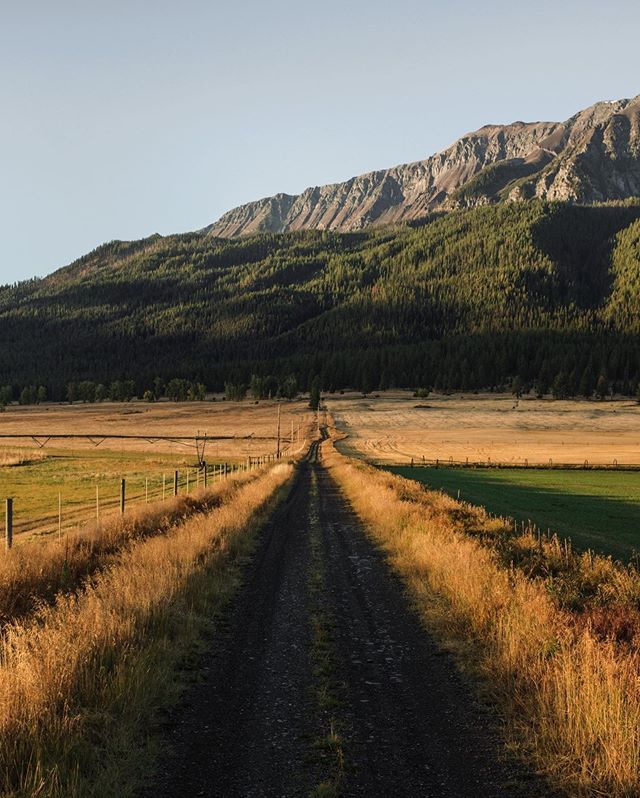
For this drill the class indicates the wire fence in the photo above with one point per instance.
(113, 495)
(550, 464)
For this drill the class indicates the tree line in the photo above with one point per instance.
(176, 389)
(544, 293)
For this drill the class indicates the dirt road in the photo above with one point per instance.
(403, 722)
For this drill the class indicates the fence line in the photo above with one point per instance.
(149, 489)
(550, 464)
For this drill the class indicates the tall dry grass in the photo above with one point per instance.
(20, 457)
(566, 678)
(36, 571)
(80, 679)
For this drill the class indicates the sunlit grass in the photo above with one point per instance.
(38, 570)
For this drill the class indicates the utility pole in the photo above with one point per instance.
(9, 523)
(278, 449)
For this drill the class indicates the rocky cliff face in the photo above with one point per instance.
(599, 159)
(593, 156)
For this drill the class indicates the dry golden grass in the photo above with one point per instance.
(80, 680)
(397, 427)
(17, 457)
(566, 675)
(252, 427)
(36, 571)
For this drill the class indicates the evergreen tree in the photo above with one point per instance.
(516, 387)
(602, 387)
(587, 383)
(314, 394)
(561, 387)
(6, 395)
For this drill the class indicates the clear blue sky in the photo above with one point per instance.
(123, 118)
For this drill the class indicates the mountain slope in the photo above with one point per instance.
(468, 299)
(592, 157)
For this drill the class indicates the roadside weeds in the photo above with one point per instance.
(81, 680)
(565, 677)
(36, 572)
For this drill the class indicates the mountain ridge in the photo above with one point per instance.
(593, 156)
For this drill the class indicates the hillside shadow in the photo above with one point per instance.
(579, 240)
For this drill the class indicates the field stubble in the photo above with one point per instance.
(396, 428)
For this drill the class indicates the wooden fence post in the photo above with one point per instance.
(187, 480)
(164, 482)
(205, 475)
(122, 496)
(175, 483)
(9, 523)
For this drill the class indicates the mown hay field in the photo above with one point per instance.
(396, 427)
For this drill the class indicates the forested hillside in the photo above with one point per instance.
(547, 293)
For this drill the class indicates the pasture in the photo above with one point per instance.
(598, 510)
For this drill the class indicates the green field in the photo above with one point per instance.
(74, 476)
(599, 510)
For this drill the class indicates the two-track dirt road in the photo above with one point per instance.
(408, 725)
